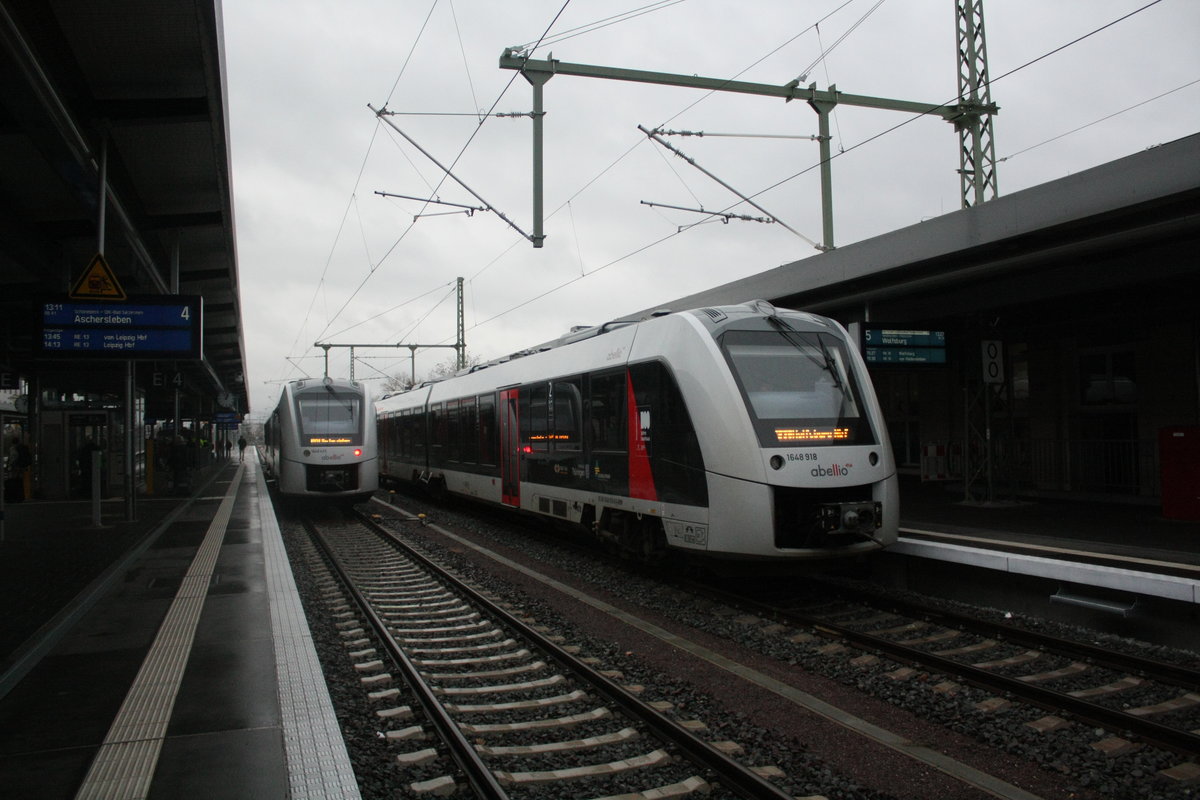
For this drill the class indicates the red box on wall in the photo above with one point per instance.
(1179, 459)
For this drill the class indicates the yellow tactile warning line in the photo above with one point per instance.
(124, 766)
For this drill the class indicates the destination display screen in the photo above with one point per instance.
(790, 435)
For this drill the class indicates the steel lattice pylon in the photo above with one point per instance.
(976, 143)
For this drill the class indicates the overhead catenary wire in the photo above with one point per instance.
(991, 81)
(1101, 119)
(528, 50)
(353, 193)
(789, 178)
(382, 113)
(396, 307)
(446, 174)
(860, 144)
(655, 137)
(592, 27)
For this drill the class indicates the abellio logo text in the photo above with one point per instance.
(836, 471)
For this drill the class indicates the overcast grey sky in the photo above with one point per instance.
(322, 257)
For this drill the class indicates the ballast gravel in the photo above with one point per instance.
(817, 758)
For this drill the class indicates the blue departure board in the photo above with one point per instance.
(146, 327)
(896, 345)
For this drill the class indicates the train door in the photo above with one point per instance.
(510, 449)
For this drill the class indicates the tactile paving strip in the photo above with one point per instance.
(318, 765)
(124, 766)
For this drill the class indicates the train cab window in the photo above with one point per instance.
(567, 429)
(606, 412)
(798, 386)
(329, 417)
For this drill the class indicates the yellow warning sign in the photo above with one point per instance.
(97, 282)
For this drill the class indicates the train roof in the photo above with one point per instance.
(714, 316)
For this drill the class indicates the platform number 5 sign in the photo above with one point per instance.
(993, 361)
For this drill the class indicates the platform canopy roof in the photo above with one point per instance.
(138, 85)
(1129, 225)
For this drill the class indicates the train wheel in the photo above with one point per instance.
(652, 541)
(639, 539)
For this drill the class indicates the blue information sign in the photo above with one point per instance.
(148, 327)
(895, 345)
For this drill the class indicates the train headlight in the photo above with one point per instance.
(357, 452)
(776, 462)
(873, 458)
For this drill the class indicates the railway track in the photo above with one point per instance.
(483, 698)
(1129, 695)
(1126, 694)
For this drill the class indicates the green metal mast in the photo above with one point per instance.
(977, 145)
(823, 102)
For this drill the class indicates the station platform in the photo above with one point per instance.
(163, 658)
(1098, 556)
(170, 657)
(1098, 525)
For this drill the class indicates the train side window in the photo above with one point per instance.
(420, 432)
(437, 429)
(487, 431)
(454, 430)
(606, 411)
(535, 422)
(568, 418)
(409, 433)
(468, 430)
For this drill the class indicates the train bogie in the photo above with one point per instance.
(736, 433)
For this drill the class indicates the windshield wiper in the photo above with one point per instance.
(828, 364)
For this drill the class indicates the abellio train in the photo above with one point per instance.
(320, 441)
(740, 433)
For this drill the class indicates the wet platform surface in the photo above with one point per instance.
(179, 664)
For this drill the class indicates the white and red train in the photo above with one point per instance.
(737, 432)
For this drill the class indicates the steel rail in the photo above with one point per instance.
(477, 773)
(1162, 671)
(1178, 740)
(733, 776)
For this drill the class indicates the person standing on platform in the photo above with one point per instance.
(241, 448)
(228, 448)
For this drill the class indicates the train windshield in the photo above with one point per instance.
(329, 417)
(799, 387)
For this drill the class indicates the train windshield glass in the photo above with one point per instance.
(799, 387)
(330, 418)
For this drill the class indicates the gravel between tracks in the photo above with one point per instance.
(819, 757)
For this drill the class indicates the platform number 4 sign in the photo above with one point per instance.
(993, 361)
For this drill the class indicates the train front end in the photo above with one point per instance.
(797, 453)
(333, 452)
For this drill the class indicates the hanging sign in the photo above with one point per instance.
(141, 327)
(895, 345)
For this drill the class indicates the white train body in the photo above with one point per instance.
(741, 432)
(320, 440)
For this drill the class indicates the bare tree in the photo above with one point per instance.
(440, 371)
